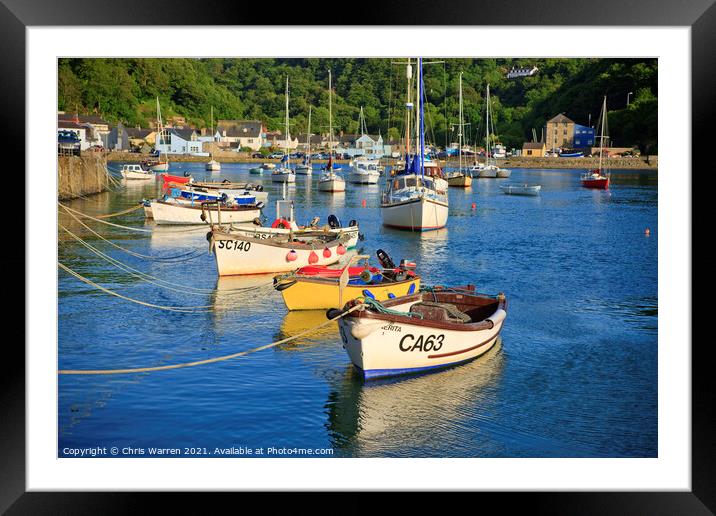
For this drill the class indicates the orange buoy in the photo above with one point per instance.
(363, 203)
(474, 205)
(341, 250)
(326, 252)
(647, 232)
(291, 256)
(312, 258)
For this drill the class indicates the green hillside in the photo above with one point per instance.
(125, 90)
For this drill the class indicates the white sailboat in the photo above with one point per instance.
(416, 197)
(159, 165)
(364, 171)
(459, 177)
(489, 169)
(284, 173)
(213, 165)
(305, 168)
(330, 180)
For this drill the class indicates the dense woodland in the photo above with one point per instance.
(125, 90)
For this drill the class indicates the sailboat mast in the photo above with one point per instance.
(459, 127)
(408, 115)
(286, 149)
(601, 138)
(422, 117)
(487, 126)
(308, 138)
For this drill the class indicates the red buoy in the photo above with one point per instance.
(312, 258)
(363, 203)
(326, 253)
(291, 256)
(474, 205)
(341, 250)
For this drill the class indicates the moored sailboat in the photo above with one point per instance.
(330, 180)
(305, 168)
(284, 173)
(599, 178)
(414, 198)
(459, 177)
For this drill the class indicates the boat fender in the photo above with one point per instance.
(341, 250)
(391, 295)
(291, 256)
(326, 252)
(208, 236)
(281, 222)
(284, 285)
(203, 216)
(411, 289)
(312, 258)
(366, 292)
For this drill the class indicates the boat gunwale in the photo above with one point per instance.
(240, 207)
(335, 241)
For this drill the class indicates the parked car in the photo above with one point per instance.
(257, 155)
(275, 155)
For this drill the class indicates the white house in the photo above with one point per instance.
(241, 133)
(363, 145)
(179, 141)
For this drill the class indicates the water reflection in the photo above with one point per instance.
(299, 321)
(363, 419)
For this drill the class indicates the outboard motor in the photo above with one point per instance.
(225, 182)
(353, 223)
(385, 259)
(259, 188)
(334, 222)
(187, 174)
(314, 222)
(224, 197)
(407, 264)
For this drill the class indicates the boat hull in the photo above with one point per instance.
(315, 294)
(138, 176)
(599, 184)
(237, 256)
(380, 348)
(503, 172)
(213, 166)
(364, 178)
(304, 170)
(332, 185)
(521, 190)
(283, 177)
(170, 213)
(160, 167)
(461, 181)
(421, 214)
(486, 173)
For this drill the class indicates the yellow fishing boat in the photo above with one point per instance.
(319, 287)
(459, 179)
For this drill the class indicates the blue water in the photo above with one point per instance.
(574, 376)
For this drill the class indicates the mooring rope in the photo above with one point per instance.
(184, 309)
(104, 221)
(194, 253)
(184, 289)
(208, 360)
(128, 210)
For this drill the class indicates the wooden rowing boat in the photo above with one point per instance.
(421, 332)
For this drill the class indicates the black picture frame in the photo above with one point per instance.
(16, 15)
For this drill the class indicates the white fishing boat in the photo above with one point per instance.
(415, 198)
(364, 171)
(330, 180)
(237, 254)
(285, 224)
(170, 211)
(489, 169)
(521, 189)
(136, 172)
(460, 177)
(195, 194)
(267, 166)
(284, 173)
(305, 168)
(429, 330)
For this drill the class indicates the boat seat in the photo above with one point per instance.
(440, 312)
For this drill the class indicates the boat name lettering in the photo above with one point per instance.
(390, 327)
(429, 343)
(238, 245)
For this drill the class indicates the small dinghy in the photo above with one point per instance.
(173, 211)
(316, 287)
(236, 254)
(428, 330)
(180, 180)
(232, 189)
(521, 189)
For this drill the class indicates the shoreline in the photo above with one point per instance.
(514, 162)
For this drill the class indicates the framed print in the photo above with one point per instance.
(415, 255)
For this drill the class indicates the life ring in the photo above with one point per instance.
(281, 222)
